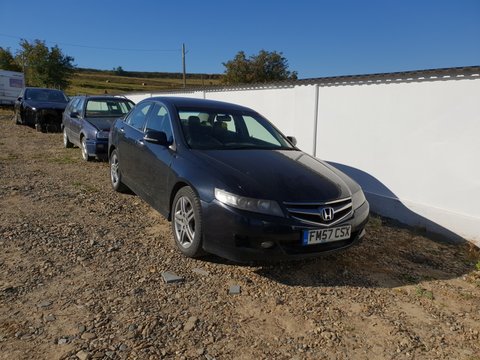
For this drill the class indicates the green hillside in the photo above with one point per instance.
(91, 81)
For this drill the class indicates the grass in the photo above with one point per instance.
(94, 82)
(86, 187)
(421, 292)
(477, 265)
(64, 160)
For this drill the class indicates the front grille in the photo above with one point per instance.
(323, 214)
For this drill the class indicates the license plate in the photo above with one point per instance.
(321, 236)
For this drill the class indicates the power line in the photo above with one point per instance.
(94, 47)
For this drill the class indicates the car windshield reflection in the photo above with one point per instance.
(217, 130)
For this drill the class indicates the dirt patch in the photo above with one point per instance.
(80, 277)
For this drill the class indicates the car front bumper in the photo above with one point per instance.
(242, 236)
(97, 148)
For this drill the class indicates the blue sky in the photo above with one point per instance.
(319, 38)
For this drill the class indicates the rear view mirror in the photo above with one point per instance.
(292, 140)
(223, 118)
(156, 137)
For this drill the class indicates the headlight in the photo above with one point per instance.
(102, 135)
(243, 203)
(358, 199)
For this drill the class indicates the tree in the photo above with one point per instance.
(119, 71)
(7, 61)
(44, 66)
(264, 67)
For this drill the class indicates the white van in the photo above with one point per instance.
(11, 83)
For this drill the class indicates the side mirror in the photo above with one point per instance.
(292, 139)
(19, 98)
(74, 114)
(156, 137)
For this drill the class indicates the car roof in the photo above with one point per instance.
(102, 97)
(202, 103)
(40, 88)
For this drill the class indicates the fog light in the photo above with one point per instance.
(267, 244)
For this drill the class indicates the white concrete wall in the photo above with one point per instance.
(413, 146)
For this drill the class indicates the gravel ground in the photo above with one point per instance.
(81, 278)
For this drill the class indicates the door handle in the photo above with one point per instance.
(122, 129)
(139, 142)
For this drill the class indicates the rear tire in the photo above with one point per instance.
(115, 175)
(187, 223)
(66, 141)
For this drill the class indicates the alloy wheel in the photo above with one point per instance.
(184, 218)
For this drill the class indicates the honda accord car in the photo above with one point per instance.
(231, 183)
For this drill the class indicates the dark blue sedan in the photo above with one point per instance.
(87, 120)
(231, 183)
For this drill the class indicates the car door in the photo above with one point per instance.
(76, 118)
(154, 165)
(66, 117)
(130, 145)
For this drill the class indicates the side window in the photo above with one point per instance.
(78, 107)
(71, 106)
(160, 121)
(138, 116)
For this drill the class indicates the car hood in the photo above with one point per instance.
(282, 175)
(46, 104)
(102, 123)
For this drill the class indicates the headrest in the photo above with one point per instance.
(193, 120)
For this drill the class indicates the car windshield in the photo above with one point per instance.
(107, 107)
(222, 130)
(45, 95)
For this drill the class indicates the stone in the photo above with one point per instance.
(170, 277)
(82, 355)
(88, 336)
(234, 290)
(49, 318)
(199, 271)
(190, 323)
(45, 304)
(62, 341)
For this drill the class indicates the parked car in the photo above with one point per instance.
(87, 120)
(41, 108)
(231, 183)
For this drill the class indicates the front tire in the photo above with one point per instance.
(187, 222)
(115, 175)
(66, 141)
(83, 147)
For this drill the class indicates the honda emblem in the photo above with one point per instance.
(327, 213)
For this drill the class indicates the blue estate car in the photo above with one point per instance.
(87, 120)
(231, 184)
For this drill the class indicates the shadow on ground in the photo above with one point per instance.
(389, 256)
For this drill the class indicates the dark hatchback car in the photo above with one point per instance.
(41, 108)
(87, 121)
(231, 183)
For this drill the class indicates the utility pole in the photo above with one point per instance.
(183, 63)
